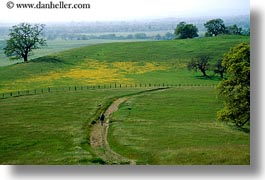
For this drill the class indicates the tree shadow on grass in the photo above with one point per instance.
(245, 128)
(211, 77)
(50, 59)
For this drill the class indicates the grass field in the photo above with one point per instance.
(153, 62)
(51, 128)
(177, 126)
(53, 46)
(174, 126)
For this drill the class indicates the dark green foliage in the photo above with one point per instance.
(234, 30)
(200, 63)
(169, 36)
(184, 31)
(23, 39)
(215, 27)
(219, 68)
(236, 89)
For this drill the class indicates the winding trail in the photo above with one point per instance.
(99, 134)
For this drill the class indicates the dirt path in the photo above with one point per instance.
(99, 135)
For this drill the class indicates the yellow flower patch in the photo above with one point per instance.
(137, 67)
(96, 72)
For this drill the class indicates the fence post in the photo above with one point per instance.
(49, 89)
(11, 94)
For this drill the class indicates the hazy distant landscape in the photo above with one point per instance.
(62, 36)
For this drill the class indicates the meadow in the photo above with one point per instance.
(52, 128)
(53, 46)
(174, 126)
(177, 126)
(153, 62)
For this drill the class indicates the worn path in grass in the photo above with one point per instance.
(99, 134)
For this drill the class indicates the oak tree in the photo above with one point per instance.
(200, 63)
(215, 27)
(23, 39)
(184, 31)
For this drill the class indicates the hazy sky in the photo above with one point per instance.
(107, 10)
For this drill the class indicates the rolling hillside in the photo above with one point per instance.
(153, 62)
(175, 125)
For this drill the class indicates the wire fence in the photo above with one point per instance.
(83, 88)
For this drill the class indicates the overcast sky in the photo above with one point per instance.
(108, 10)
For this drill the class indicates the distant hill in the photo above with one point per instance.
(130, 62)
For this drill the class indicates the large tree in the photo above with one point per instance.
(23, 39)
(234, 30)
(235, 90)
(200, 63)
(215, 27)
(184, 31)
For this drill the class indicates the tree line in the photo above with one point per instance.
(111, 36)
(214, 27)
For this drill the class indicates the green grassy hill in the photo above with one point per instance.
(51, 128)
(153, 62)
(173, 126)
(53, 46)
(177, 126)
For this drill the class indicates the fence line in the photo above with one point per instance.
(91, 87)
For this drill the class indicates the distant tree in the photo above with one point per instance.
(169, 36)
(140, 36)
(215, 27)
(200, 63)
(158, 37)
(184, 31)
(219, 68)
(234, 30)
(246, 32)
(129, 36)
(236, 89)
(23, 39)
